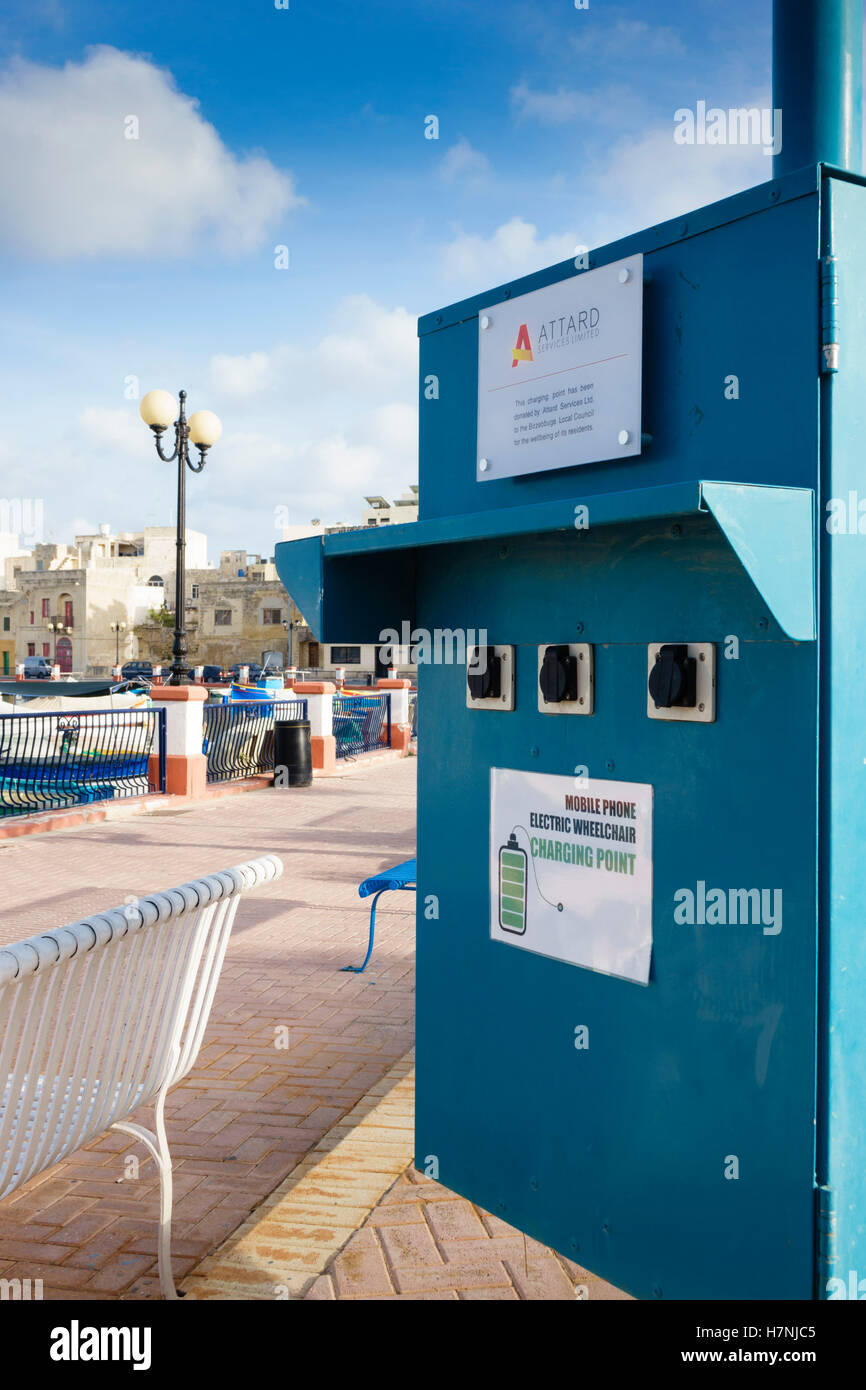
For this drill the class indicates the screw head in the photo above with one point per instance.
(483, 465)
(624, 275)
(624, 437)
(485, 321)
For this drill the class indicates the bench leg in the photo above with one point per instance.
(157, 1145)
(357, 969)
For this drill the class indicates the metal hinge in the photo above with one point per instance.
(829, 315)
(825, 1230)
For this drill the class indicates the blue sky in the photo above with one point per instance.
(153, 258)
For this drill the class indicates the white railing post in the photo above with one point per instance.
(401, 723)
(185, 763)
(319, 696)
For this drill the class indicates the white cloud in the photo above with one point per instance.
(317, 424)
(242, 376)
(514, 249)
(610, 105)
(552, 108)
(628, 37)
(462, 162)
(653, 179)
(368, 348)
(81, 188)
(117, 429)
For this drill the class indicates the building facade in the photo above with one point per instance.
(79, 605)
(238, 612)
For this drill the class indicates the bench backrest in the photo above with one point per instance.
(98, 1017)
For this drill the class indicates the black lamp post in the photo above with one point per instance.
(117, 629)
(56, 626)
(158, 410)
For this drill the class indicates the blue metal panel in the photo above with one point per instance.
(615, 1155)
(745, 1044)
(739, 298)
(842, 1073)
(771, 530)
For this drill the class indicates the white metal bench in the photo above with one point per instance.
(106, 1015)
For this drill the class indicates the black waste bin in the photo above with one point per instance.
(293, 753)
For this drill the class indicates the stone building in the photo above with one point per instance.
(236, 613)
(10, 604)
(80, 604)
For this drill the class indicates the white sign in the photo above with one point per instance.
(559, 374)
(571, 869)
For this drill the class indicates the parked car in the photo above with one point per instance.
(212, 675)
(254, 669)
(37, 668)
(141, 670)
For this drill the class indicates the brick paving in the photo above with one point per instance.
(421, 1242)
(293, 1174)
(249, 1111)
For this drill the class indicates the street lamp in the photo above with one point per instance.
(56, 626)
(117, 629)
(203, 429)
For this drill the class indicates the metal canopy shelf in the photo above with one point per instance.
(770, 529)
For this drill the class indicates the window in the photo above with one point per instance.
(345, 656)
(6, 623)
(272, 615)
(67, 612)
(195, 591)
(31, 624)
(155, 581)
(31, 648)
(222, 617)
(46, 649)
(46, 608)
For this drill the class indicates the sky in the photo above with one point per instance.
(161, 163)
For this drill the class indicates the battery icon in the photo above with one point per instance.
(512, 886)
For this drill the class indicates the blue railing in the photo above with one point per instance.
(239, 736)
(50, 761)
(362, 723)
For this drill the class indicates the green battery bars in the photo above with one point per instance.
(512, 886)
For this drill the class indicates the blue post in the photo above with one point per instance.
(818, 83)
(161, 734)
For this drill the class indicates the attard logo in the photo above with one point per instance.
(522, 350)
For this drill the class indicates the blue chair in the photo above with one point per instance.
(401, 878)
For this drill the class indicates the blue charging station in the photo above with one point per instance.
(641, 937)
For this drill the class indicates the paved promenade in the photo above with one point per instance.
(293, 1173)
(248, 1112)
